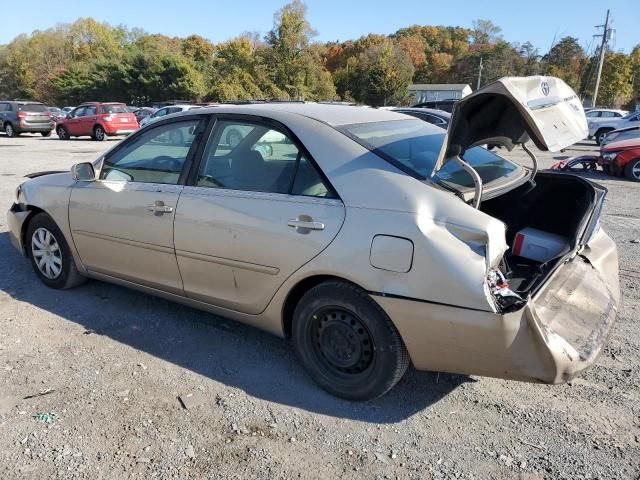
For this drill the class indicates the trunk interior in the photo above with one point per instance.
(559, 204)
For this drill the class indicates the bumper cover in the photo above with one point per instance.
(16, 217)
(558, 334)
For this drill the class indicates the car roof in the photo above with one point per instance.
(334, 115)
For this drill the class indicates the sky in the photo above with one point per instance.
(532, 20)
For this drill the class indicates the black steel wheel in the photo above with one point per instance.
(347, 343)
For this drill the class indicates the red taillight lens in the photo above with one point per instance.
(22, 114)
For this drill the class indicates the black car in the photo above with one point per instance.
(439, 118)
(19, 116)
(446, 105)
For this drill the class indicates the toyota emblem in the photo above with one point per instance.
(545, 88)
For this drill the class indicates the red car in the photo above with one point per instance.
(97, 120)
(621, 158)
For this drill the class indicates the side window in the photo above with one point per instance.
(156, 156)
(79, 112)
(89, 111)
(161, 113)
(593, 114)
(256, 157)
(608, 114)
(3, 107)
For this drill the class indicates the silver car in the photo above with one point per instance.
(371, 239)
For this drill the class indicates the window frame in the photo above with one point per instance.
(195, 149)
(209, 136)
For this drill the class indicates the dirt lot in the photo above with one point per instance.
(118, 360)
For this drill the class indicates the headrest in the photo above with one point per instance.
(248, 166)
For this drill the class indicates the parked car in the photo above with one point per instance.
(166, 111)
(446, 105)
(67, 109)
(56, 114)
(143, 112)
(621, 134)
(622, 158)
(369, 238)
(437, 117)
(18, 117)
(599, 127)
(97, 120)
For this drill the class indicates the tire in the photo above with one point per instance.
(10, 131)
(46, 134)
(99, 134)
(347, 343)
(49, 254)
(632, 170)
(599, 136)
(62, 133)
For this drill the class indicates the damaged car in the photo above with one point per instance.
(370, 239)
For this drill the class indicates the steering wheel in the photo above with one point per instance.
(168, 163)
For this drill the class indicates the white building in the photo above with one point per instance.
(431, 92)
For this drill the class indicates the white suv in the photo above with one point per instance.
(600, 121)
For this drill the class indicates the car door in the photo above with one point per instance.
(251, 215)
(122, 223)
(4, 108)
(87, 120)
(72, 124)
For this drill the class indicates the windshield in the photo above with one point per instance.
(114, 109)
(414, 145)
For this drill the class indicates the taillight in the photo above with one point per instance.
(22, 114)
(107, 118)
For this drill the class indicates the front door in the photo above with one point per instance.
(72, 124)
(122, 223)
(87, 120)
(256, 211)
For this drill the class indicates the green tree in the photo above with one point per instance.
(566, 60)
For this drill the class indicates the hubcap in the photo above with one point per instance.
(99, 134)
(9, 130)
(635, 170)
(341, 340)
(46, 253)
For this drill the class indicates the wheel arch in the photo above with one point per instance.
(296, 293)
(33, 211)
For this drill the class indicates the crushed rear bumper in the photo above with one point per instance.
(558, 334)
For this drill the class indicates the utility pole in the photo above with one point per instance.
(606, 33)
(480, 67)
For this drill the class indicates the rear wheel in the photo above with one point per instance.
(50, 255)
(62, 133)
(10, 131)
(99, 134)
(347, 343)
(632, 170)
(46, 134)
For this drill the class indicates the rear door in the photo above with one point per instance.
(252, 215)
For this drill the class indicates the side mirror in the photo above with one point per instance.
(83, 172)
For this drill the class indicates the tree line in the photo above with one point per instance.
(87, 60)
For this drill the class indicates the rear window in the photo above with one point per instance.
(32, 107)
(114, 109)
(414, 146)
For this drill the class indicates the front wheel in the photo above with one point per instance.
(99, 134)
(632, 170)
(62, 133)
(347, 343)
(50, 255)
(600, 135)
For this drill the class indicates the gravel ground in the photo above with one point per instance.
(112, 363)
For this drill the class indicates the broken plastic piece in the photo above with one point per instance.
(499, 287)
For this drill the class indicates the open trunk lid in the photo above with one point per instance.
(512, 110)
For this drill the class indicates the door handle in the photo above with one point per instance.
(159, 208)
(303, 225)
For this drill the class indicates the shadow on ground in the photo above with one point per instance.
(225, 351)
